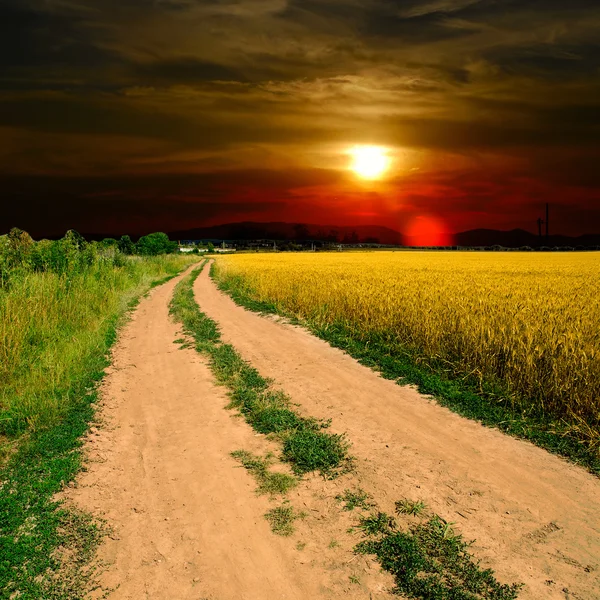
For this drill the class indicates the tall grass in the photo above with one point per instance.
(523, 329)
(57, 305)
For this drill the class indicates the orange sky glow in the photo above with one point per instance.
(130, 116)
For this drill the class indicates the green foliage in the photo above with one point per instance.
(210, 246)
(268, 482)
(109, 243)
(377, 523)
(125, 245)
(56, 302)
(410, 507)
(282, 519)
(352, 500)
(154, 244)
(309, 450)
(34, 527)
(430, 561)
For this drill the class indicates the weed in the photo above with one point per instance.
(282, 519)
(300, 546)
(432, 561)
(309, 450)
(355, 579)
(377, 523)
(333, 544)
(410, 507)
(352, 500)
(268, 482)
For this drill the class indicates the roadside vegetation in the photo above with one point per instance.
(60, 305)
(510, 340)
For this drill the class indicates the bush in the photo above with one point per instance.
(154, 244)
(125, 245)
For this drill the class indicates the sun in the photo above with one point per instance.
(369, 162)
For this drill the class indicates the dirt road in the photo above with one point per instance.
(186, 521)
(535, 517)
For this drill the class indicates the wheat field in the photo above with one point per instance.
(527, 321)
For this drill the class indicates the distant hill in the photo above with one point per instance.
(249, 230)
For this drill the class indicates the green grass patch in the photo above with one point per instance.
(281, 519)
(410, 507)
(309, 450)
(268, 482)
(376, 523)
(47, 547)
(305, 445)
(430, 561)
(357, 499)
(485, 401)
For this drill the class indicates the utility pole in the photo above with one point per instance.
(223, 244)
(274, 246)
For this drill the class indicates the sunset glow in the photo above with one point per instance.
(130, 117)
(369, 162)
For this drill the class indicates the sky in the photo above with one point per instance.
(130, 116)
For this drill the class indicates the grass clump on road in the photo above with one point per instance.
(310, 450)
(410, 507)
(305, 445)
(281, 519)
(268, 481)
(352, 500)
(430, 560)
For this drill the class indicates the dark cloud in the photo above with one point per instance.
(189, 71)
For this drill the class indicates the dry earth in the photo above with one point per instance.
(187, 523)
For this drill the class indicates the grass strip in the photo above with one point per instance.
(305, 444)
(484, 402)
(46, 548)
(429, 560)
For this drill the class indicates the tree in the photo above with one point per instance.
(155, 243)
(211, 247)
(125, 245)
(108, 242)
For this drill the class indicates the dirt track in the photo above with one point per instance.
(187, 523)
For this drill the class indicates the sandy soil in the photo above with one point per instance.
(186, 522)
(535, 517)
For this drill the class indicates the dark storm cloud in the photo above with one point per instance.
(185, 70)
(566, 61)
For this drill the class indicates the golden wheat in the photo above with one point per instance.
(529, 321)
